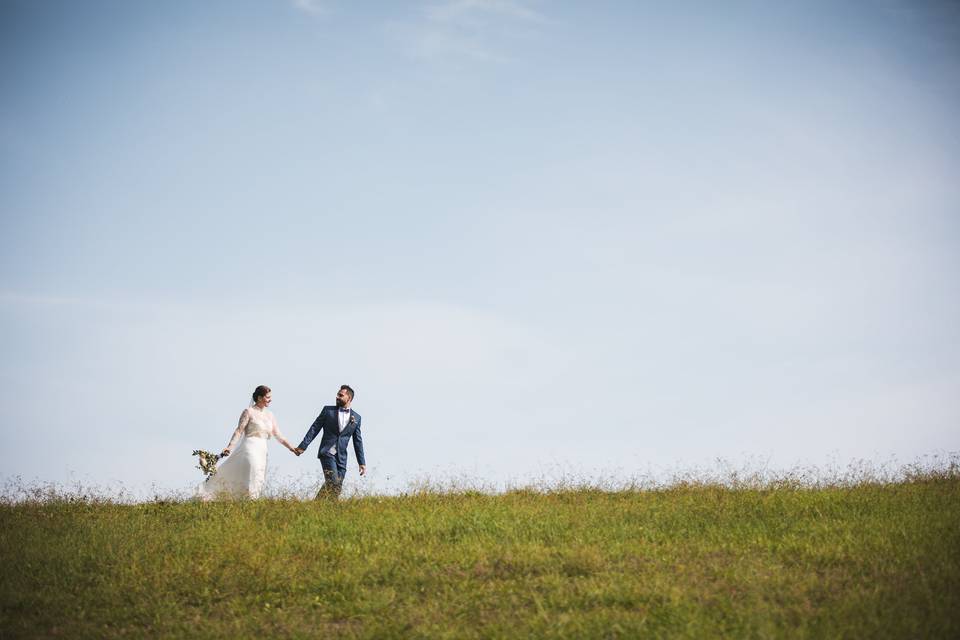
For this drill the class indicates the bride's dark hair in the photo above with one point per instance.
(260, 391)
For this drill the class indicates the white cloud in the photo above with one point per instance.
(312, 7)
(473, 11)
(472, 29)
(432, 43)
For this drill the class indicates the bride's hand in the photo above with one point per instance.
(225, 453)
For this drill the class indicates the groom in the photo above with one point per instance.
(338, 424)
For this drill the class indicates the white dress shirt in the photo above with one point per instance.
(343, 417)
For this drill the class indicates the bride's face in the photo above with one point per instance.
(264, 401)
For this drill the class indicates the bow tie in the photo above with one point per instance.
(344, 410)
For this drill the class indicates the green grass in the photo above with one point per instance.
(867, 561)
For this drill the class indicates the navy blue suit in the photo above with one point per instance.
(333, 439)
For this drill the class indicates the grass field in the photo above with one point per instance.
(872, 560)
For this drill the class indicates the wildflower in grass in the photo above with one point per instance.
(208, 462)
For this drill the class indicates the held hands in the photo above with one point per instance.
(225, 453)
(298, 451)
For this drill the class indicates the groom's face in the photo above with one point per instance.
(343, 398)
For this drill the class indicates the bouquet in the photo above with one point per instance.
(208, 462)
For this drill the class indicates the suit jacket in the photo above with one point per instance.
(328, 424)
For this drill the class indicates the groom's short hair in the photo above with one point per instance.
(347, 388)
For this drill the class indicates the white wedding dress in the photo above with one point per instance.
(241, 475)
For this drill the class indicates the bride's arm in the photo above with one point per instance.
(241, 425)
(279, 436)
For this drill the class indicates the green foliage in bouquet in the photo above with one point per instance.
(208, 461)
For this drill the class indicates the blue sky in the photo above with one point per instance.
(537, 237)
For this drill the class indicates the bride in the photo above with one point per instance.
(242, 474)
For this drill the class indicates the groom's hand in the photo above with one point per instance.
(363, 469)
(298, 451)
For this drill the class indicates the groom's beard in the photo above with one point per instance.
(340, 404)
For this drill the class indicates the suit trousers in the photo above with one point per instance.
(333, 475)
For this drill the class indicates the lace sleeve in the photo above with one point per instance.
(241, 426)
(276, 433)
